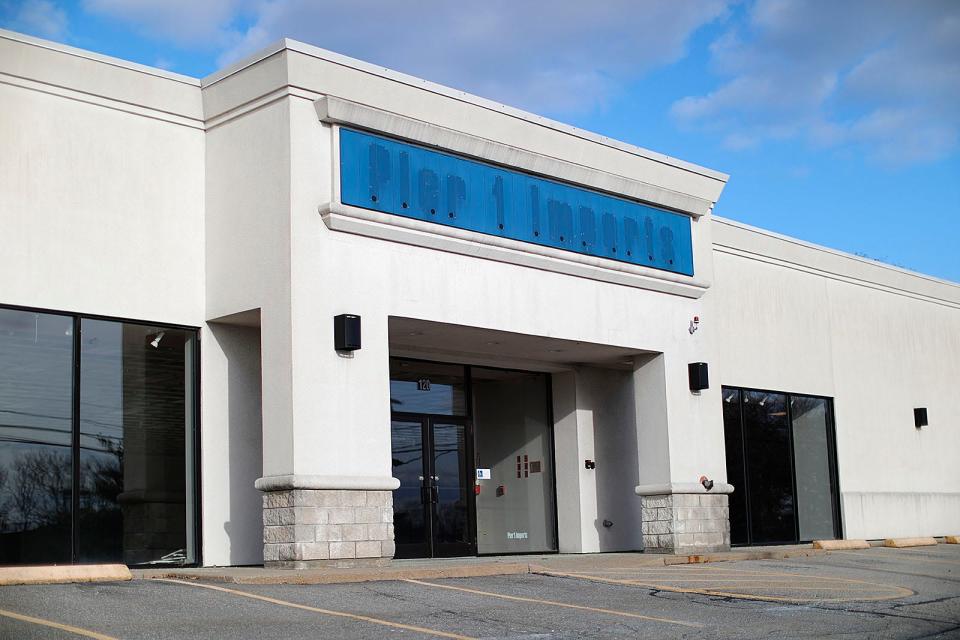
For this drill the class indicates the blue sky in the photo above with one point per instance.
(838, 122)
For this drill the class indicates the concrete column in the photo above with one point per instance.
(679, 515)
(576, 486)
(333, 502)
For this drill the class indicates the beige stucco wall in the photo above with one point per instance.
(880, 341)
(101, 191)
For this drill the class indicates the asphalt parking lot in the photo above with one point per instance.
(888, 593)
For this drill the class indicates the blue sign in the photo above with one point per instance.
(407, 180)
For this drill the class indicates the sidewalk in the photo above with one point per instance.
(465, 567)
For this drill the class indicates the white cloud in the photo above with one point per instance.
(38, 17)
(559, 56)
(882, 76)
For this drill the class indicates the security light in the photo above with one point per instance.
(155, 343)
(699, 378)
(346, 332)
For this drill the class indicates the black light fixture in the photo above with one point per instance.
(699, 380)
(346, 332)
(920, 417)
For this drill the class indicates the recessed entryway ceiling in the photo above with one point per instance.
(411, 337)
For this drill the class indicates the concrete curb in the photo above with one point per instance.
(331, 575)
(60, 574)
(899, 543)
(573, 564)
(840, 545)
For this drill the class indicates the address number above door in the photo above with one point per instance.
(402, 179)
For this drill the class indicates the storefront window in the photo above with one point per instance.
(769, 476)
(811, 448)
(515, 507)
(780, 460)
(135, 414)
(36, 363)
(131, 449)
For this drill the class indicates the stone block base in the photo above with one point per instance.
(303, 527)
(685, 523)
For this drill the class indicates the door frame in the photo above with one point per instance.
(832, 463)
(429, 548)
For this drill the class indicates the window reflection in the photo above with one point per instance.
(427, 387)
(779, 451)
(133, 435)
(450, 466)
(770, 477)
(35, 436)
(736, 471)
(407, 450)
(134, 454)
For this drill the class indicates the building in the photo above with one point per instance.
(558, 346)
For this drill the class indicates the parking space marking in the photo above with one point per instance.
(721, 591)
(329, 612)
(914, 557)
(554, 603)
(87, 633)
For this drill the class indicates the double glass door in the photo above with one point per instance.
(433, 509)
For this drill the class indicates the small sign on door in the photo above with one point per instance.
(483, 474)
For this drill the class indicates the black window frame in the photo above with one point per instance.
(77, 319)
(832, 463)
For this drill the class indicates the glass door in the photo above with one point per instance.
(410, 525)
(451, 480)
(433, 507)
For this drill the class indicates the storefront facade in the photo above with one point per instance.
(526, 300)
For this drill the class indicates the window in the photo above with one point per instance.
(97, 433)
(781, 461)
(36, 453)
(427, 387)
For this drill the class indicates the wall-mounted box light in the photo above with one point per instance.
(699, 379)
(346, 332)
(920, 417)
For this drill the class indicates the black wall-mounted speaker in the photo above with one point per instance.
(920, 417)
(346, 332)
(699, 380)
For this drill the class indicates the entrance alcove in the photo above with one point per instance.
(498, 404)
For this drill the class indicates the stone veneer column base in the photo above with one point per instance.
(685, 523)
(310, 527)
